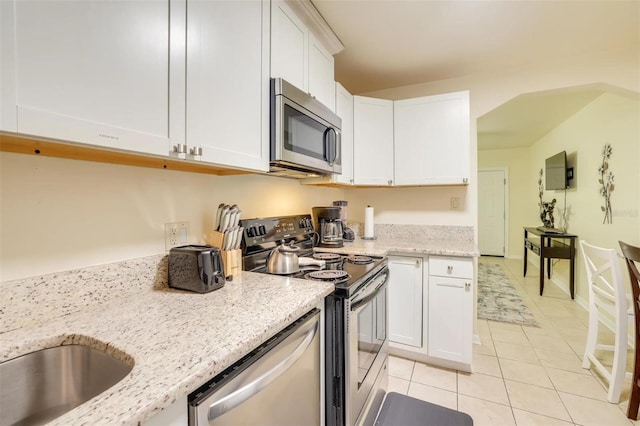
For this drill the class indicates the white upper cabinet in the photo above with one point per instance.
(372, 141)
(299, 57)
(432, 140)
(227, 95)
(321, 66)
(344, 110)
(289, 46)
(96, 72)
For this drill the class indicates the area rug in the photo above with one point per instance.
(498, 299)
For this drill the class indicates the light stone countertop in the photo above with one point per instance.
(177, 340)
(384, 246)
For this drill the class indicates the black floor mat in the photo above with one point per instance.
(403, 410)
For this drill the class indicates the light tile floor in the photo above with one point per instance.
(522, 375)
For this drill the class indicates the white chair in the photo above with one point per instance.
(606, 294)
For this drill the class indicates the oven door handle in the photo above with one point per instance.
(361, 302)
(231, 400)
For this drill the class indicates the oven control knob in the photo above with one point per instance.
(262, 230)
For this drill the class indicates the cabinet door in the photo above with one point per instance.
(289, 46)
(95, 72)
(372, 141)
(450, 318)
(431, 136)
(344, 110)
(228, 82)
(405, 300)
(321, 80)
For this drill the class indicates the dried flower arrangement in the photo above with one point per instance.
(606, 182)
(546, 207)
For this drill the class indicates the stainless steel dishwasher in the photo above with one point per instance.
(278, 383)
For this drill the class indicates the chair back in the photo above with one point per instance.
(632, 256)
(606, 286)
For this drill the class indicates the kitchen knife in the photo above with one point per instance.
(219, 215)
(237, 217)
(239, 234)
(232, 217)
(224, 221)
(225, 240)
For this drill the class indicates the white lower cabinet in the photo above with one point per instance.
(451, 309)
(405, 300)
(431, 310)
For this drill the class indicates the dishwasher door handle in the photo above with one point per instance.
(227, 402)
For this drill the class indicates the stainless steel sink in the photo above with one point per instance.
(40, 386)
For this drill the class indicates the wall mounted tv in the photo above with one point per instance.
(555, 171)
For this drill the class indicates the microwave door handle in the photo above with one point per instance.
(334, 146)
(330, 151)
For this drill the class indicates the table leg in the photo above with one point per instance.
(541, 273)
(572, 263)
(524, 274)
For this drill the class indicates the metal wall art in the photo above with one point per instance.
(606, 183)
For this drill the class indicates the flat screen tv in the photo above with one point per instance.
(555, 171)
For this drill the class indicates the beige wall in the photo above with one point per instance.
(59, 214)
(610, 119)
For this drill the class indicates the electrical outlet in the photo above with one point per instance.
(176, 234)
(455, 203)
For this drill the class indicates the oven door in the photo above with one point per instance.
(368, 343)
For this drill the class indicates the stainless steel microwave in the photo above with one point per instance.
(305, 134)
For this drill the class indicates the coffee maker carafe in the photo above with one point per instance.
(328, 225)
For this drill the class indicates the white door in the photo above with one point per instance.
(405, 300)
(491, 212)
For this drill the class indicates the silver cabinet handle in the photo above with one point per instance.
(197, 151)
(467, 286)
(417, 263)
(449, 269)
(390, 182)
(237, 397)
(181, 148)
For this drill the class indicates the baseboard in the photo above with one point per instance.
(514, 257)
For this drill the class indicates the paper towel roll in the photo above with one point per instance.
(368, 222)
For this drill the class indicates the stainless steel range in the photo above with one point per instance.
(356, 340)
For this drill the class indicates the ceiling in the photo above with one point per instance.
(392, 43)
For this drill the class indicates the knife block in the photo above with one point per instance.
(231, 259)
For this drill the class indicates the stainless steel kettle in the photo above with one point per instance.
(283, 260)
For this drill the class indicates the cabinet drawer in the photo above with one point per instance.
(459, 267)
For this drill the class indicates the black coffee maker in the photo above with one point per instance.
(347, 233)
(327, 223)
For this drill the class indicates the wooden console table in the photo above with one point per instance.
(551, 245)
